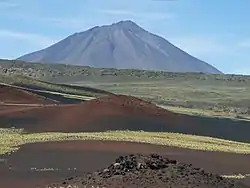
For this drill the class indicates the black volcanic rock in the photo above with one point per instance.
(120, 45)
(151, 171)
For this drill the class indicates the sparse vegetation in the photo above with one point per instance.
(222, 94)
(203, 112)
(11, 139)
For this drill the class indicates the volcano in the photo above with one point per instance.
(122, 45)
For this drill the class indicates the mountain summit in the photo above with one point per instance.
(120, 45)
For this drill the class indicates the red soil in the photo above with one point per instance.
(15, 108)
(17, 96)
(89, 156)
(108, 113)
(119, 112)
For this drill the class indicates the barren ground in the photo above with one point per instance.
(111, 113)
(88, 156)
(11, 95)
(120, 113)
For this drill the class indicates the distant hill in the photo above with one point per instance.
(122, 45)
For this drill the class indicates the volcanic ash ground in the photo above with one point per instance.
(147, 171)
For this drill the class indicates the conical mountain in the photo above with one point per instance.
(120, 45)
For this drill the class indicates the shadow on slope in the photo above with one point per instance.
(64, 88)
(57, 97)
(40, 90)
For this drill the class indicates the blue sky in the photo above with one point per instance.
(217, 32)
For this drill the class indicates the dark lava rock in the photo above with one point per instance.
(151, 171)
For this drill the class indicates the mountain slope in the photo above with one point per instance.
(120, 45)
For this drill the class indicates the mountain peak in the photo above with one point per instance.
(123, 44)
(125, 23)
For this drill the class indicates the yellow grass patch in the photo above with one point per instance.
(11, 139)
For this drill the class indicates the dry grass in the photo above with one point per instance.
(44, 169)
(236, 176)
(11, 139)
